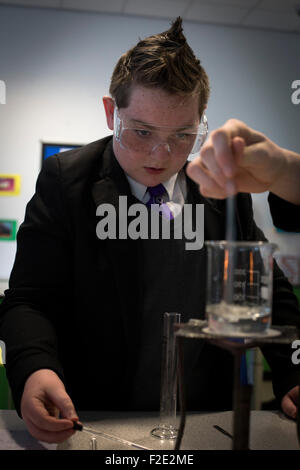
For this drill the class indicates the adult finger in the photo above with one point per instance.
(209, 161)
(221, 141)
(236, 128)
(207, 185)
(223, 138)
(238, 147)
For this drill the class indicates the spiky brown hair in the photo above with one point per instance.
(163, 61)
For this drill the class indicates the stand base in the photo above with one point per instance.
(164, 432)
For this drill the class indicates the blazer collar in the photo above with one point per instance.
(112, 183)
(111, 180)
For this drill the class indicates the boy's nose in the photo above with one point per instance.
(161, 146)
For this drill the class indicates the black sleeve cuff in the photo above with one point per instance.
(285, 215)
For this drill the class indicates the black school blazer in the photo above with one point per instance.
(73, 300)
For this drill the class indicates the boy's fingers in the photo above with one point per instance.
(64, 403)
(38, 415)
(48, 436)
(289, 407)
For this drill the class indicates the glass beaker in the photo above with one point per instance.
(239, 286)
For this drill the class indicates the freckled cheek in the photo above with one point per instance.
(179, 162)
(126, 158)
(136, 161)
(129, 160)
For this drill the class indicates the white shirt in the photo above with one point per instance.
(175, 196)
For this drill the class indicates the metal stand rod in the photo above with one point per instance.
(241, 406)
(242, 392)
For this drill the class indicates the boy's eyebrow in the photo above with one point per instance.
(150, 126)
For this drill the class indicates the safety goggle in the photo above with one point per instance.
(147, 138)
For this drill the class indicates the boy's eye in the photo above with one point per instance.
(181, 136)
(185, 136)
(142, 132)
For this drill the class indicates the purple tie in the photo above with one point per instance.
(156, 197)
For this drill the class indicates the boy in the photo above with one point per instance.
(82, 317)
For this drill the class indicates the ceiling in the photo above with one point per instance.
(278, 15)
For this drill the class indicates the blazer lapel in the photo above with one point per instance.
(123, 253)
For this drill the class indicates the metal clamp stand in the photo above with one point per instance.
(241, 392)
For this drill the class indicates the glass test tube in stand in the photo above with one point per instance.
(167, 428)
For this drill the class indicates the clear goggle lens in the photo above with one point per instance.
(146, 140)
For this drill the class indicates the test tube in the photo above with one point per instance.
(167, 428)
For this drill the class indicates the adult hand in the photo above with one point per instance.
(289, 402)
(236, 158)
(45, 399)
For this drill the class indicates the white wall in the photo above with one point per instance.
(57, 66)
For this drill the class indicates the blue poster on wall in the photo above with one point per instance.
(52, 149)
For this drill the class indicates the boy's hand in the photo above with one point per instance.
(44, 400)
(289, 402)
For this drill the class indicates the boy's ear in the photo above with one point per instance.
(109, 107)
